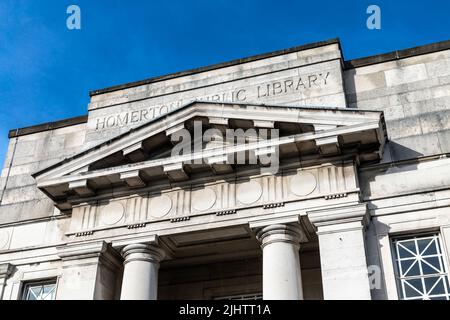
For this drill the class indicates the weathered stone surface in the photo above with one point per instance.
(415, 98)
(205, 226)
(21, 200)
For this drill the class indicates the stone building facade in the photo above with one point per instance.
(348, 197)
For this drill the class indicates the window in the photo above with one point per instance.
(421, 268)
(42, 290)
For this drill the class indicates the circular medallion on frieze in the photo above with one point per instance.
(303, 184)
(4, 239)
(249, 192)
(160, 206)
(203, 199)
(112, 213)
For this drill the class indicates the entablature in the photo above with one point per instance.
(200, 205)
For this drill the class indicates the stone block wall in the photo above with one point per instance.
(414, 93)
(20, 198)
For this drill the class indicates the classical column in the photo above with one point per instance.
(282, 278)
(140, 274)
(5, 271)
(342, 252)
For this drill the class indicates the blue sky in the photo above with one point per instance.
(46, 70)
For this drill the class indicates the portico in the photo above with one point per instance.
(264, 177)
(151, 208)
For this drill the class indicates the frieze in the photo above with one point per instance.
(218, 198)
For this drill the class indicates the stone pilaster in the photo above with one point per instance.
(6, 270)
(90, 271)
(341, 233)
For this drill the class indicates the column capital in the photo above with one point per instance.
(340, 218)
(291, 233)
(147, 238)
(143, 252)
(145, 247)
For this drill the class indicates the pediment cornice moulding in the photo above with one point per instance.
(320, 116)
(211, 153)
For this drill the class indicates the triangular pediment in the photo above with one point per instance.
(146, 154)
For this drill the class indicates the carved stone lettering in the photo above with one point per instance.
(260, 92)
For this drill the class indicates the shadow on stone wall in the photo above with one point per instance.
(396, 152)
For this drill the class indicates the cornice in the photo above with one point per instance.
(6, 270)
